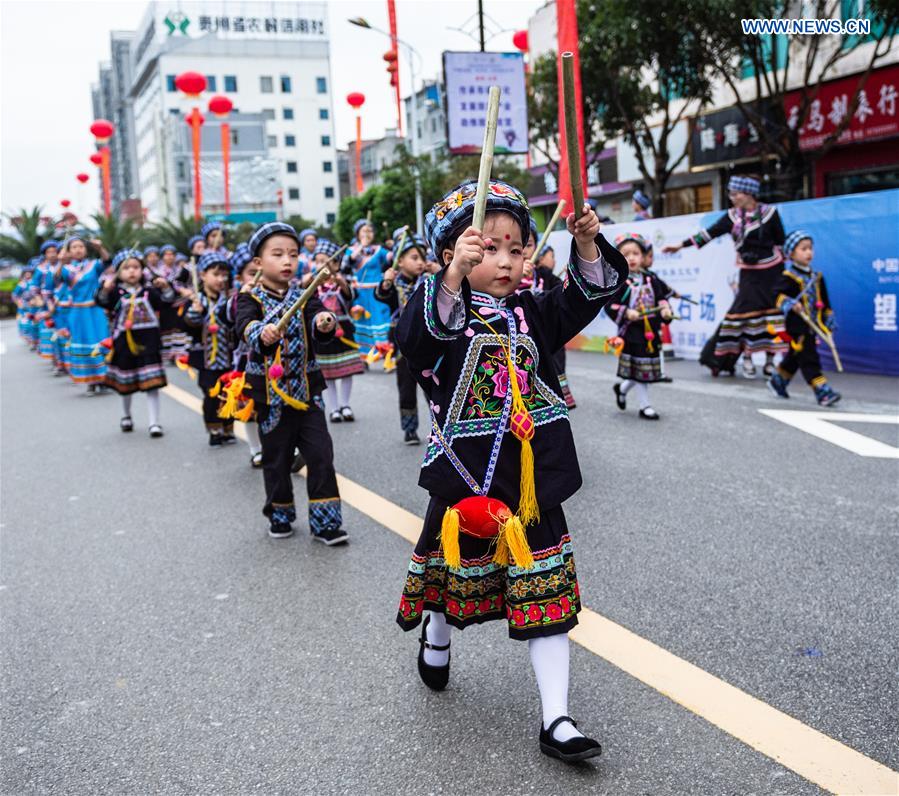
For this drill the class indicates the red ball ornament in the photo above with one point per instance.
(390, 55)
(129, 325)
(482, 516)
(819, 305)
(107, 343)
(649, 335)
(213, 328)
(356, 99)
(220, 106)
(191, 83)
(49, 323)
(339, 332)
(65, 202)
(275, 372)
(96, 158)
(520, 40)
(102, 130)
(522, 426)
(82, 177)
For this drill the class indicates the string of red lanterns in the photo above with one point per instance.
(192, 84)
(356, 100)
(522, 44)
(221, 107)
(102, 130)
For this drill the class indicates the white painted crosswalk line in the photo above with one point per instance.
(824, 426)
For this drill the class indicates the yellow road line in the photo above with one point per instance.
(811, 754)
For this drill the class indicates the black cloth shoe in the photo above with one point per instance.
(280, 530)
(126, 423)
(649, 414)
(228, 439)
(298, 461)
(571, 751)
(434, 677)
(216, 440)
(331, 537)
(256, 460)
(156, 430)
(620, 397)
(411, 438)
(336, 417)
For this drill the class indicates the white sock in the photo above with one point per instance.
(439, 633)
(643, 394)
(346, 387)
(126, 405)
(549, 657)
(626, 386)
(330, 395)
(153, 407)
(253, 438)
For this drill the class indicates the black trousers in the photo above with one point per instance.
(207, 379)
(806, 359)
(308, 431)
(407, 389)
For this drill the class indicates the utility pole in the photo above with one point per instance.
(481, 23)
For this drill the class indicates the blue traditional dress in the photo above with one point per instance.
(88, 324)
(366, 265)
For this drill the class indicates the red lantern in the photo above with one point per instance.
(220, 105)
(520, 40)
(393, 79)
(482, 516)
(191, 83)
(390, 56)
(102, 130)
(96, 158)
(356, 99)
(65, 202)
(82, 177)
(392, 67)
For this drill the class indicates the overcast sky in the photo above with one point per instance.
(50, 51)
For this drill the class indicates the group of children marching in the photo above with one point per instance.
(276, 330)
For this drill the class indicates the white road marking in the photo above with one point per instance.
(823, 425)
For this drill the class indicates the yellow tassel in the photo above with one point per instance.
(528, 510)
(216, 389)
(133, 347)
(349, 343)
(181, 365)
(449, 538)
(246, 413)
(515, 537)
(372, 356)
(276, 389)
(501, 554)
(389, 364)
(648, 330)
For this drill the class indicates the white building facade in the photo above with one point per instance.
(267, 58)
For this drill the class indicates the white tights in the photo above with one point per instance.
(152, 406)
(642, 391)
(253, 438)
(338, 393)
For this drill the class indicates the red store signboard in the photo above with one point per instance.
(875, 117)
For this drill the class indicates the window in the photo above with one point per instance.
(329, 192)
(268, 113)
(322, 113)
(170, 83)
(330, 218)
(327, 166)
(210, 83)
(290, 140)
(293, 193)
(265, 84)
(326, 140)
(272, 140)
(182, 172)
(291, 167)
(235, 137)
(288, 114)
(321, 85)
(285, 84)
(230, 84)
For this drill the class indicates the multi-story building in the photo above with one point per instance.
(375, 155)
(270, 59)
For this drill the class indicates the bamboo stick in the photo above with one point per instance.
(396, 260)
(571, 135)
(323, 275)
(549, 228)
(480, 202)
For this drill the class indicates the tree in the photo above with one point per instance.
(643, 72)
(785, 63)
(175, 232)
(300, 223)
(31, 231)
(117, 233)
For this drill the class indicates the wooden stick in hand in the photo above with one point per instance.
(480, 202)
(322, 276)
(549, 228)
(399, 251)
(571, 135)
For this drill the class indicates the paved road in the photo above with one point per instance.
(155, 640)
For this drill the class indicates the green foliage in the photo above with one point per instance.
(31, 232)
(175, 232)
(117, 233)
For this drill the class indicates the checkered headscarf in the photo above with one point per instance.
(361, 223)
(167, 247)
(744, 184)
(452, 214)
(265, 231)
(642, 199)
(304, 233)
(412, 241)
(195, 239)
(792, 241)
(212, 226)
(126, 254)
(211, 259)
(151, 250)
(49, 244)
(325, 246)
(632, 237)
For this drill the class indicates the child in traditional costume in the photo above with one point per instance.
(366, 262)
(88, 324)
(802, 297)
(47, 274)
(400, 282)
(135, 362)
(175, 339)
(638, 308)
(62, 300)
(286, 386)
(308, 244)
(501, 460)
(338, 356)
(196, 246)
(213, 233)
(20, 299)
(211, 345)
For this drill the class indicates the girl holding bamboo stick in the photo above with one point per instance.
(802, 297)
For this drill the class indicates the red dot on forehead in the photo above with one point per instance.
(508, 237)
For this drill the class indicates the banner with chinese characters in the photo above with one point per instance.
(856, 239)
(723, 137)
(468, 77)
(874, 117)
